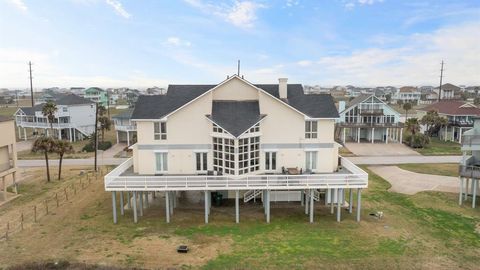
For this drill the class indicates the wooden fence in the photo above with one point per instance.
(53, 201)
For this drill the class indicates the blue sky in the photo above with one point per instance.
(137, 43)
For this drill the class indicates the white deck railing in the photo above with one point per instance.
(114, 181)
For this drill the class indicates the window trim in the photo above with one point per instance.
(270, 154)
(161, 133)
(162, 154)
(308, 155)
(203, 161)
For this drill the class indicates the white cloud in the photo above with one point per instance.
(242, 14)
(118, 7)
(304, 63)
(351, 4)
(291, 3)
(417, 61)
(177, 42)
(19, 4)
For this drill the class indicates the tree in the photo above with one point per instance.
(45, 145)
(104, 120)
(48, 111)
(388, 98)
(62, 147)
(433, 122)
(413, 127)
(407, 106)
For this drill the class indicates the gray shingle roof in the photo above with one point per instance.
(72, 99)
(32, 110)
(156, 107)
(358, 99)
(235, 116)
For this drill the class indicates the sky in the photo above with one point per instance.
(144, 43)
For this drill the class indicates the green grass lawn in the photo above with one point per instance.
(446, 169)
(437, 147)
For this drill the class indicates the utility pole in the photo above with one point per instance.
(440, 88)
(95, 134)
(238, 68)
(31, 84)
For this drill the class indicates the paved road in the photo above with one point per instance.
(388, 160)
(86, 161)
(366, 160)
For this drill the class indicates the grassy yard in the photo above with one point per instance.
(428, 230)
(437, 147)
(446, 169)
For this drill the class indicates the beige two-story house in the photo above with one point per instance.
(8, 155)
(259, 140)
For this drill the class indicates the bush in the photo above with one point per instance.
(89, 147)
(419, 140)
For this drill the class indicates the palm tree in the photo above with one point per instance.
(407, 106)
(45, 145)
(105, 124)
(62, 147)
(48, 111)
(413, 127)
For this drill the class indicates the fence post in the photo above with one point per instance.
(21, 221)
(46, 206)
(35, 213)
(56, 198)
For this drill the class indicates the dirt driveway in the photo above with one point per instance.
(380, 149)
(408, 182)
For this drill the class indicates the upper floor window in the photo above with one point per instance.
(65, 109)
(160, 130)
(310, 129)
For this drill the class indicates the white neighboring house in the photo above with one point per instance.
(408, 94)
(367, 118)
(236, 138)
(74, 119)
(125, 128)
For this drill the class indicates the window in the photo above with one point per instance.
(270, 161)
(311, 129)
(161, 162)
(248, 155)
(311, 160)
(65, 109)
(224, 155)
(160, 130)
(201, 161)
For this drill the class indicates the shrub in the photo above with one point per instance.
(419, 140)
(89, 147)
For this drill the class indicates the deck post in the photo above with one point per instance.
(25, 134)
(327, 196)
(344, 134)
(140, 200)
(401, 135)
(134, 202)
(373, 135)
(359, 203)
(311, 205)
(358, 135)
(167, 207)
(474, 192)
(460, 196)
(114, 206)
(302, 197)
(206, 207)
(268, 206)
(122, 210)
(146, 199)
(237, 206)
(172, 199)
(128, 138)
(306, 202)
(332, 198)
(128, 200)
(386, 137)
(339, 208)
(350, 201)
(466, 189)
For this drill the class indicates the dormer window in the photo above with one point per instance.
(311, 129)
(160, 130)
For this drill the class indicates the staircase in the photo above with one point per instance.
(249, 195)
(316, 195)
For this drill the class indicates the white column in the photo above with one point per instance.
(358, 135)
(350, 201)
(386, 137)
(373, 135)
(466, 189)
(167, 206)
(460, 137)
(446, 132)
(59, 134)
(122, 210)
(128, 138)
(114, 206)
(311, 205)
(116, 133)
(19, 132)
(134, 202)
(237, 207)
(339, 208)
(460, 196)
(70, 134)
(332, 199)
(306, 202)
(344, 134)
(359, 203)
(268, 206)
(474, 192)
(401, 135)
(206, 207)
(25, 134)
